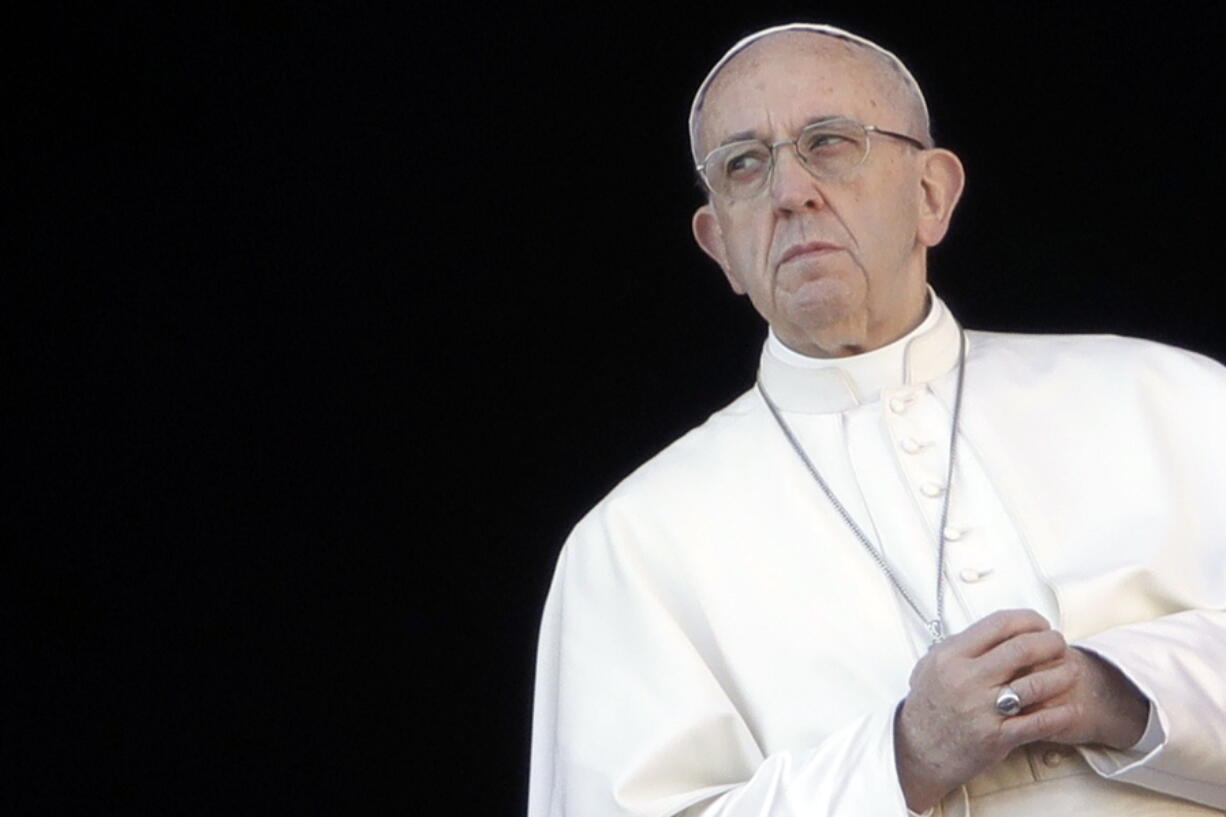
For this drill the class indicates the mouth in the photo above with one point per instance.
(807, 250)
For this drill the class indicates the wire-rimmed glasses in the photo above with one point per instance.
(828, 149)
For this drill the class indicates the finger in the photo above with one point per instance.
(1039, 687)
(1042, 724)
(1046, 664)
(991, 630)
(1010, 658)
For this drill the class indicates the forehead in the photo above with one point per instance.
(779, 83)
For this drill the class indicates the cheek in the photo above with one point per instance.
(747, 240)
(888, 224)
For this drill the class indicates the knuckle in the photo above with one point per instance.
(1029, 619)
(1041, 646)
(1050, 642)
(1018, 651)
(1015, 622)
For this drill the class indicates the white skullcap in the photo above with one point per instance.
(819, 28)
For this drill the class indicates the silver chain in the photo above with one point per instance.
(935, 626)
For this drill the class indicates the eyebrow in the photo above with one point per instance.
(745, 135)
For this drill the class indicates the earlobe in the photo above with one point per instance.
(941, 186)
(710, 237)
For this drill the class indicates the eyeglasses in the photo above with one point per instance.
(829, 150)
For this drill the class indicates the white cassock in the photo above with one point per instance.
(717, 642)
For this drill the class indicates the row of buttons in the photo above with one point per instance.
(933, 490)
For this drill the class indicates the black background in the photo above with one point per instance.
(330, 320)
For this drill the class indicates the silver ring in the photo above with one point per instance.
(1007, 701)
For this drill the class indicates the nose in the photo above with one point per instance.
(792, 187)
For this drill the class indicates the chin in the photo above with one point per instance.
(830, 326)
(825, 293)
(819, 308)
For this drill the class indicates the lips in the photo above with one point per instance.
(810, 248)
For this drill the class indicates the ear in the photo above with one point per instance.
(941, 181)
(710, 237)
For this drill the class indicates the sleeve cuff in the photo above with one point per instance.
(1153, 736)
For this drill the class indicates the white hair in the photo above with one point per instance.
(909, 83)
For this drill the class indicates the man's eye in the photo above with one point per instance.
(825, 142)
(744, 164)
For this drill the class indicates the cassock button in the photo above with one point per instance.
(931, 490)
(952, 534)
(970, 575)
(1053, 757)
(911, 445)
(898, 405)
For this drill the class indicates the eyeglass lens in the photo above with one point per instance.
(826, 149)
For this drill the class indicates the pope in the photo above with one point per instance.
(911, 570)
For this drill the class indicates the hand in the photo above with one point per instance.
(948, 730)
(1103, 705)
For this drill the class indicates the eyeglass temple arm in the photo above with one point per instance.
(902, 136)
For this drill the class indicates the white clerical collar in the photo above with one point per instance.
(813, 385)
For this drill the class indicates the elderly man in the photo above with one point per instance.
(856, 589)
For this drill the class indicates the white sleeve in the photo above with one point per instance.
(631, 719)
(1179, 662)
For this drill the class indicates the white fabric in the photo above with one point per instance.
(872, 371)
(895, 451)
(716, 640)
